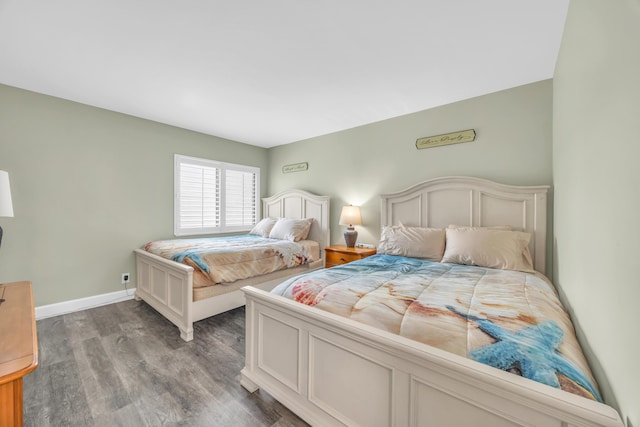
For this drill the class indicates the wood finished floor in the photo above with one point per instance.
(125, 365)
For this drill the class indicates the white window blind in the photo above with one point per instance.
(240, 207)
(214, 197)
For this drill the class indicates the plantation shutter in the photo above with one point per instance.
(199, 197)
(214, 197)
(240, 206)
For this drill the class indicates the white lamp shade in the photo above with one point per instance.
(6, 207)
(350, 216)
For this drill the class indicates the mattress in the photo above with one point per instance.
(510, 320)
(230, 258)
(279, 276)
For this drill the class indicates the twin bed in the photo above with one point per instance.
(401, 338)
(179, 291)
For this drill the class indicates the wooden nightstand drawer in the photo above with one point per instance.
(341, 257)
(339, 254)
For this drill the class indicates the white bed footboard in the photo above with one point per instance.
(166, 286)
(335, 371)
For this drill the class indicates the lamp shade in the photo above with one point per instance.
(350, 216)
(6, 207)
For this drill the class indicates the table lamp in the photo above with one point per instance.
(6, 207)
(350, 216)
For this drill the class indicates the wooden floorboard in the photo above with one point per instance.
(125, 365)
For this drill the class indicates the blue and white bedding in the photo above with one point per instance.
(230, 258)
(510, 320)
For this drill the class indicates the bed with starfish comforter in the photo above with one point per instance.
(510, 320)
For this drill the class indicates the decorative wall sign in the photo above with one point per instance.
(446, 139)
(298, 167)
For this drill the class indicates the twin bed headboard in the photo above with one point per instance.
(472, 202)
(301, 204)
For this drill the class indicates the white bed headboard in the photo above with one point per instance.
(301, 204)
(473, 202)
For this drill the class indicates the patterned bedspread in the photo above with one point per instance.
(510, 320)
(227, 259)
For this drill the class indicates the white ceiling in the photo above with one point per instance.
(273, 72)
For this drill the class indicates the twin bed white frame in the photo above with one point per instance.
(334, 371)
(167, 286)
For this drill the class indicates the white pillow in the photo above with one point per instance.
(263, 228)
(416, 242)
(291, 229)
(505, 250)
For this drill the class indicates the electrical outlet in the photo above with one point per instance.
(125, 278)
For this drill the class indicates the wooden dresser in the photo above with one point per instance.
(340, 254)
(18, 348)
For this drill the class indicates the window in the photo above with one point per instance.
(214, 197)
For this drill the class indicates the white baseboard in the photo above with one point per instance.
(65, 307)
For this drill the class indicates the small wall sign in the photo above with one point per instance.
(298, 167)
(446, 139)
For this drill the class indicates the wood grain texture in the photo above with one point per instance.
(340, 254)
(124, 365)
(18, 348)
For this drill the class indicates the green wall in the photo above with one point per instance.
(597, 190)
(89, 186)
(513, 146)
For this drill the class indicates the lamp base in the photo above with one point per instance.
(350, 237)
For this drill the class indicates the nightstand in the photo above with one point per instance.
(340, 254)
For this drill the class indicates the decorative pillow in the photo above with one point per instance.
(291, 229)
(416, 242)
(505, 250)
(263, 228)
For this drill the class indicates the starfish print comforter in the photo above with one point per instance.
(510, 320)
(230, 258)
